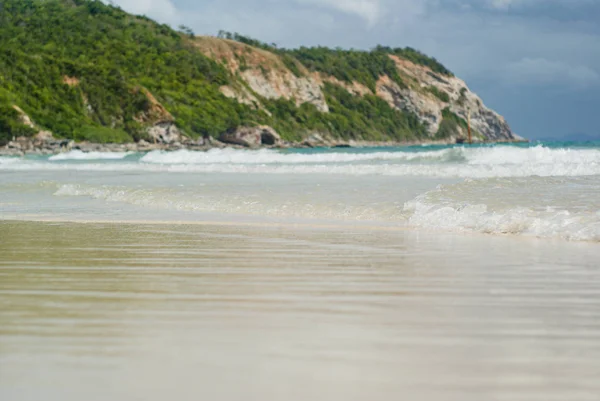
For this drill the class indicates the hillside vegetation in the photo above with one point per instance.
(90, 71)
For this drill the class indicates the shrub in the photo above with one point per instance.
(440, 94)
(102, 135)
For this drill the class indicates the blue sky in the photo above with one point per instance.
(537, 62)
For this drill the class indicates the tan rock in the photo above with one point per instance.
(164, 132)
(264, 74)
(71, 81)
(251, 136)
(25, 119)
(43, 136)
(154, 113)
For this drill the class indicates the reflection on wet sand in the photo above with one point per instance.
(154, 312)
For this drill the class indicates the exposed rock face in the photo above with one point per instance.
(277, 84)
(316, 140)
(264, 73)
(251, 136)
(154, 112)
(161, 124)
(24, 117)
(428, 107)
(43, 136)
(355, 88)
(242, 95)
(165, 132)
(427, 94)
(71, 81)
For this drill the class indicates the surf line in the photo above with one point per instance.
(43, 219)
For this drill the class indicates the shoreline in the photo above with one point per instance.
(287, 225)
(317, 224)
(27, 146)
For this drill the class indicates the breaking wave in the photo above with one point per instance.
(267, 156)
(458, 162)
(266, 204)
(488, 156)
(551, 207)
(79, 155)
(539, 207)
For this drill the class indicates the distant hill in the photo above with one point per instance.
(90, 71)
(581, 137)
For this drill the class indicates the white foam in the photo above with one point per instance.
(488, 156)
(538, 155)
(442, 171)
(267, 156)
(79, 155)
(501, 161)
(532, 207)
(257, 204)
(565, 208)
(477, 218)
(5, 161)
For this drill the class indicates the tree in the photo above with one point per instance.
(186, 30)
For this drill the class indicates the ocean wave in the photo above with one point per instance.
(5, 161)
(255, 204)
(79, 155)
(458, 162)
(549, 208)
(537, 155)
(419, 170)
(485, 156)
(268, 156)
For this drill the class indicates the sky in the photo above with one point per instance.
(537, 62)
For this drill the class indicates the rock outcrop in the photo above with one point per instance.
(427, 94)
(428, 104)
(165, 132)
(25, 119)
(251, 137)
(153, 112)
(161, 124)
(264, 73)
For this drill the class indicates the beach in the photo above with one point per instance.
(112, 311)
(426, 272)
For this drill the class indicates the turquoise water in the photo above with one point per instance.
(407, 149)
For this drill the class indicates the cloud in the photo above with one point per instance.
(540, 71)
(506, 4)
(369, 10)
(511, 4)
(163, 10)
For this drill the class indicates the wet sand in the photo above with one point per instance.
(115, 311)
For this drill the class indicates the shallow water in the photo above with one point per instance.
(154, 312)
(428, 273)
(542, 190)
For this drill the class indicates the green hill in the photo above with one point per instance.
(86, 70)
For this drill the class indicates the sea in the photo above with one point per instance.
(543, 190)
(430, 272)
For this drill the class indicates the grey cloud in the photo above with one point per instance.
(540, 71)
(163, 10)
(369, 10)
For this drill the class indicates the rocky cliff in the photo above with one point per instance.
(428, 95)
(121, 78)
